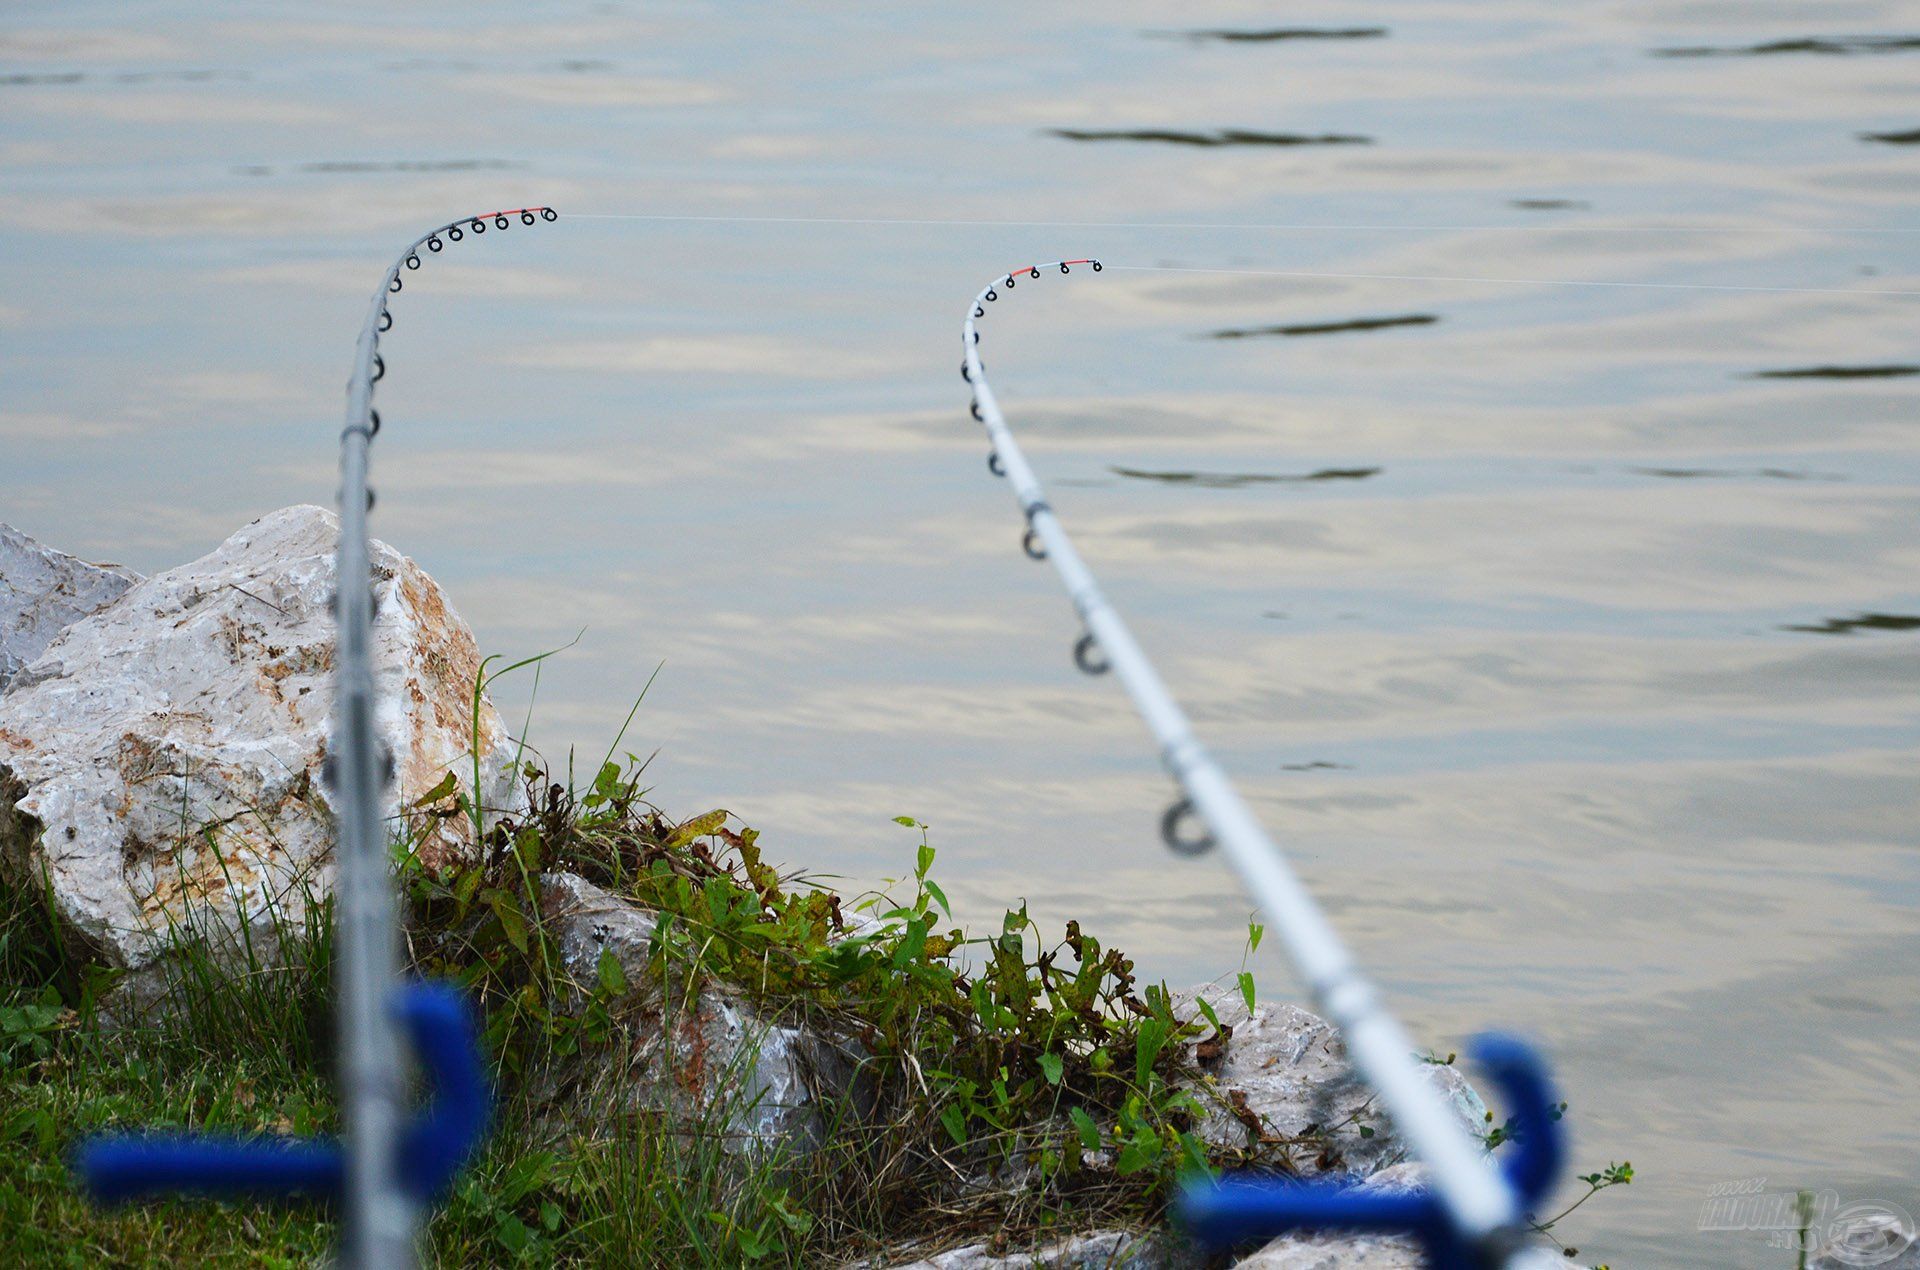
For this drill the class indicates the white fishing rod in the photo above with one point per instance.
(391, 1162)
(381, 1216)
(1483, 1210)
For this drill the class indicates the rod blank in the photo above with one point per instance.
(1480, 1206)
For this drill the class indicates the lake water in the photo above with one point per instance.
(1582, 684)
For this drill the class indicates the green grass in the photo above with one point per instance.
(1011, 1084)
(63, 1077)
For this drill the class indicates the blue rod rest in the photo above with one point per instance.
(118, 1168)
(1239, 1209)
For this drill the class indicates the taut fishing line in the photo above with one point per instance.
(1624, 284)
(1305, 226)
(1521, 282)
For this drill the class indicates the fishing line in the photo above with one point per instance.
(1483, 1209)
(1310, 227)
(1527, 282)
(1329, 275)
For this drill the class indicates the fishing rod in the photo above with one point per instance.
(1475, 1213)
(389, 1166)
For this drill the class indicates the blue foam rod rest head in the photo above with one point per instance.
(123, 1168)
(1240, 1209)
(119, 1168)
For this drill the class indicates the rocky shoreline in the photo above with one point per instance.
(161, 750)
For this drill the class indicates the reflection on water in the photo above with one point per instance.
(1216, 137)
(1839, 372)
(390, 165)
(1325, 328)
(1839, 44)
(1270, 35)
(1235, 480)
(1577, 780)
(1709, 473)
(123, 77)
(1864, 622)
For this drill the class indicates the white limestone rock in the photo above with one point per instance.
(42, 592)
(1287, 1069)
(160, 761)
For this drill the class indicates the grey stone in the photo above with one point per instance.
(1330, 1252)
(42, 592)
(160, 763)
(709, 1058)
(1099, 1250)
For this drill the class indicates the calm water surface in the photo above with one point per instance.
(1583, 682)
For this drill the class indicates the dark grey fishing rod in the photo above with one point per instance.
(381, 1216)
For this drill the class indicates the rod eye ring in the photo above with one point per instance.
(976, 337)
(1170, 831)
(965, 373)
(526, 218)
(379, 369)
(1087, 655)
(500, 222)
(369, 498)
(994, 465)
(975, 407)
(547, 213)
(413, 262)
(1008, 282)
(373, 417)
(1063, 267)
(992, 295)
(434, 243)
(479, 226)
(978, 311)
(1096, 266)
(456, 233)
(395, 284)
(1035, 272)
(386, 321)
(1030, 543)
